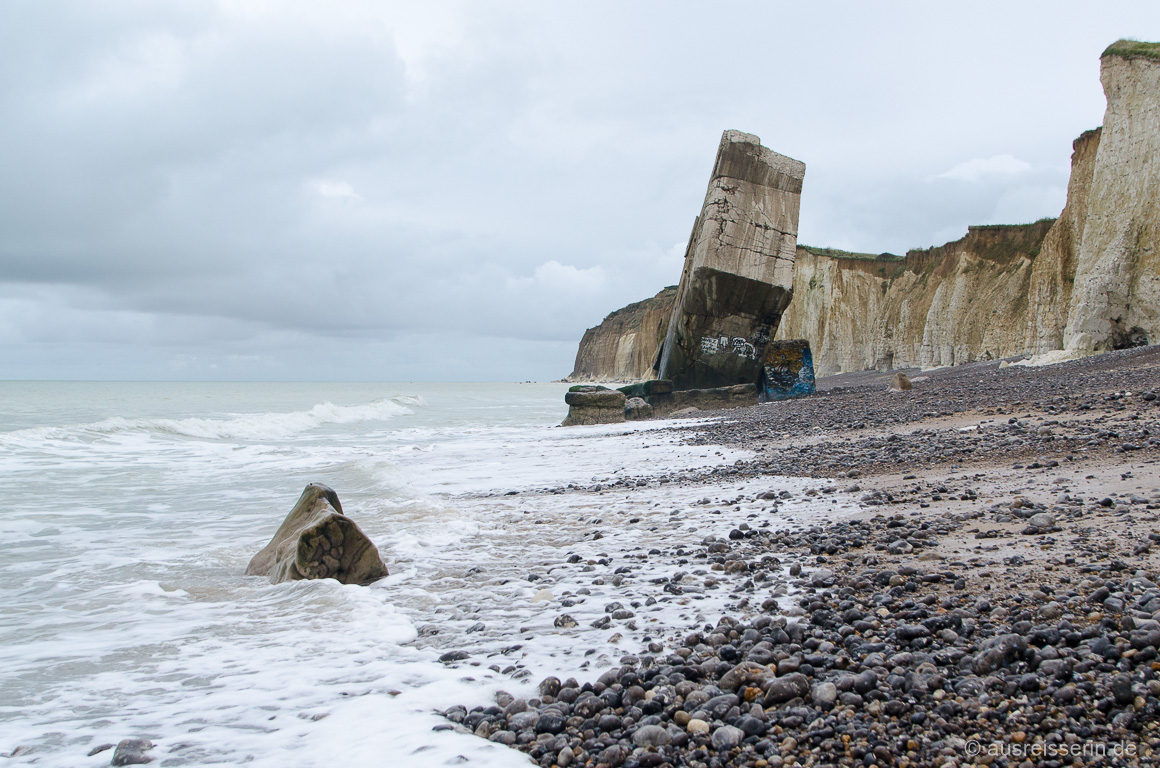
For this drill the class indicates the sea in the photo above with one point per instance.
(131, 509)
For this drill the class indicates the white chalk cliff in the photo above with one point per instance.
(954, 304)
(1089, 283)
(1117, 278)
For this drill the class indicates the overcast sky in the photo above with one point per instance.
(283, 189)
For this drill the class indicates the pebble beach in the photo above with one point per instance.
(966, 575)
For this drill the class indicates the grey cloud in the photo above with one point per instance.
(235, 184)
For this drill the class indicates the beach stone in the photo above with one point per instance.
(550, 722)
(851, 699)
(744, 674)
(636, 408)
(727, 737)
(908, 632)
(507, 738)
(1042, 520)
(613, 756)
(997, 652)
(550, 686)
(318, 541)
(900, 547)
(900, 383)
(697, 727)
(132, 752)
(866, 681)
(608, 722)
(588, 706)
(824, 695)
(1102, 646)
(651, 736)
(822, 577)
(523, 720)
(1122, 690)
(782, 689)
(752, 725)
(1142, 639)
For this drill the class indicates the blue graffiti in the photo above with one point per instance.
(782, 379)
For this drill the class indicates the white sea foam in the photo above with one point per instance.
(122, 551)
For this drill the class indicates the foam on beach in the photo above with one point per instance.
(124, 549)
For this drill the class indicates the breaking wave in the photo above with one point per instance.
(249, 426)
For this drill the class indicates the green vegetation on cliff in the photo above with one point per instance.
(1133, 49)
(994, 242)
(834, 253)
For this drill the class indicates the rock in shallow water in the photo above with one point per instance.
(317, 541)
(132, 752)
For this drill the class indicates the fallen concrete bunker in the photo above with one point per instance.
(736, 282)
(738, 274)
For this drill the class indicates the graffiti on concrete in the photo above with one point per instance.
(788, 370)
(711, 345)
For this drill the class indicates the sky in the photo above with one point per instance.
(454, 191)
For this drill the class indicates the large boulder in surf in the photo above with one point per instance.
(317, 541)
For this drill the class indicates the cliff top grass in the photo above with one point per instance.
(834, 253)
(1133, 49)
(995, 242)
(1002, 228)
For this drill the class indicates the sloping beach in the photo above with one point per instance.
(968, 577)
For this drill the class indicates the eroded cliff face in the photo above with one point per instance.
(1053, 271)
(1117, 279)
(957, 303)
(625, 346)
